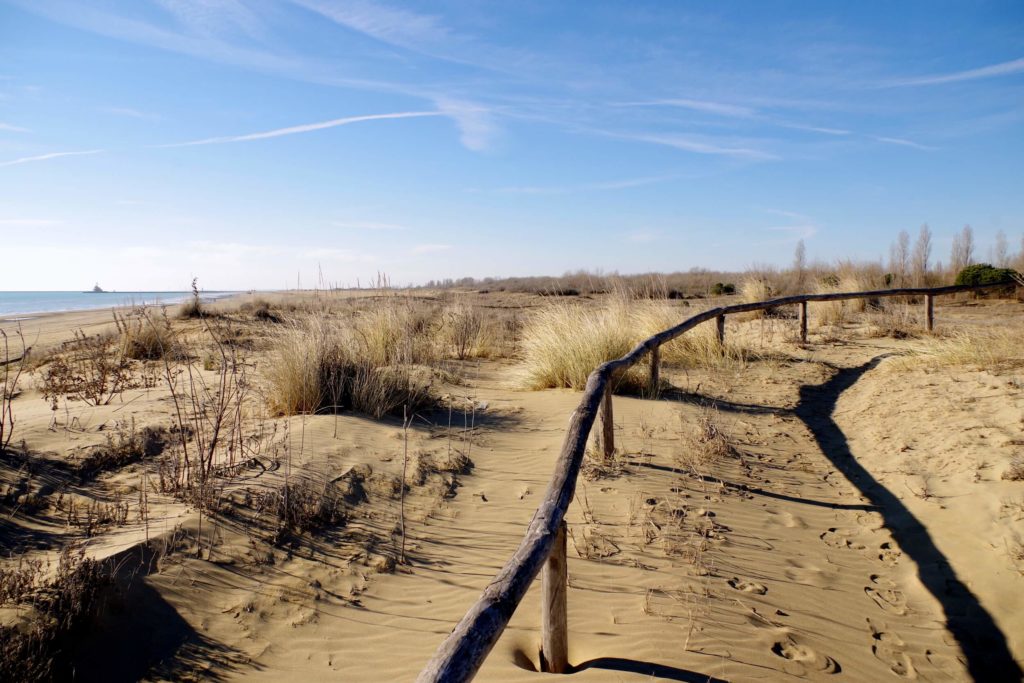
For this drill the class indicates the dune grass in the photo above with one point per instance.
(376, 363)
(564, 342)
(980, 348)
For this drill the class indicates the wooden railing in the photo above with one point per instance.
(464, 650)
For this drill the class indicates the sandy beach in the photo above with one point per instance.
(854, 518)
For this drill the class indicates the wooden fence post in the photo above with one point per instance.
(607, 423)
(720, 330)
(554, 619)
(803, 322)
(655, 384)
(929, 312)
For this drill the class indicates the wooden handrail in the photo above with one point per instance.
(463, 652)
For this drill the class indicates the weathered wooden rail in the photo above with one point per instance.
(464, 650)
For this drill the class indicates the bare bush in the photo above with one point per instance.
(92, 369)
(10, 372)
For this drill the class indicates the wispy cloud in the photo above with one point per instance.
(902, 142)
(430, 248)
(305, 128)
(623, 184)
(12, 129)
(817, 129)
(476, 125)
(129, 112)
(991, 71)
(797, 232)
(394, 26)
(45, 157)
(706, 106)
(702, 146)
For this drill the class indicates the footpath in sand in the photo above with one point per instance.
(775, 559)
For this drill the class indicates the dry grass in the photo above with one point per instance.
(755, 288)
(148, 338)
(1015, 470)
(564, 342)
(987, 348)
(374, 366)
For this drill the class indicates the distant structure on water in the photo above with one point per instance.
(96, 289)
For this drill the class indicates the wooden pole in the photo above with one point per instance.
(929, 312)
(803, 322)
(607, 423)
(655, 385)
(720, 329)
(554, 618)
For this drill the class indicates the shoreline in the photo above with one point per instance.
(176, 299)
(48, 328)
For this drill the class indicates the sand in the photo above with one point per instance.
(857, 526)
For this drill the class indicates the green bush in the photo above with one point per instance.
(985, 274)
(719, 288)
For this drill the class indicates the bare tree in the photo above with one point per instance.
(921, 256)
(800, 265)
(962, 254)
(1001, 251)
(899, 258)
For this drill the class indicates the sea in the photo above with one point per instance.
(28, 304)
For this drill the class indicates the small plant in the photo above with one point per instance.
(10, 373)
(147, 338)
(463, 325)
(193, 308)
(61, 607)
(91, 369)
(723, 288)
(1015, 472)
(123, 447)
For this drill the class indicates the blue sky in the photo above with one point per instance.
(252, 143)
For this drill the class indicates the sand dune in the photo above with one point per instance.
(852, 521)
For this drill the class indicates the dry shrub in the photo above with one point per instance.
(463, 330)
(702, 442)
(300, 506)
(35, 650)
(755, 288)
(1015, 472)
(895, 320)
(988, 348)
(564, 342)
(849, 278)
(92, 369)
(123, 447)
(696, 348)
(148, 338)
(320, 366)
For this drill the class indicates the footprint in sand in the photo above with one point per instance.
(889, 555)
(839, 538)
(801, 658)
(890, 649)
(747, 586)
(885, 594)
(784, 519)
(808, 574)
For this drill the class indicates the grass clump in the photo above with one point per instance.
(1015, 472)
(988, 348)
(148, 338)
(371, 366)
(564, 342)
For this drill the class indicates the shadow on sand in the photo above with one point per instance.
(983, 644)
